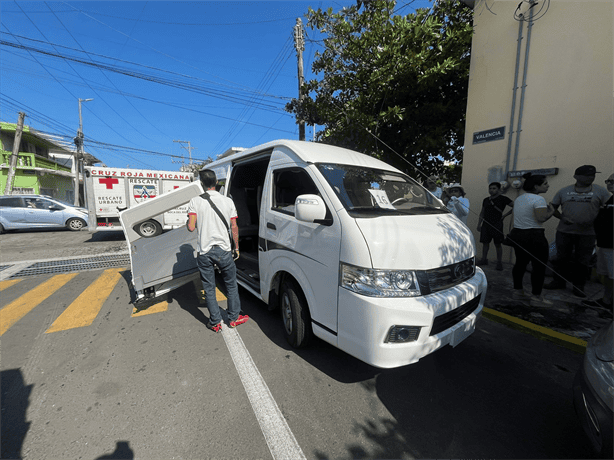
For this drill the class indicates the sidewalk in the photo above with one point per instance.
(567, 323)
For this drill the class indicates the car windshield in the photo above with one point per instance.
(369, 192)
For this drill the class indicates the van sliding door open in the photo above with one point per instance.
(167, 261)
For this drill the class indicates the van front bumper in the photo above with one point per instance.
(364, 322)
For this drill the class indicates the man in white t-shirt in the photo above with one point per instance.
(214, 248)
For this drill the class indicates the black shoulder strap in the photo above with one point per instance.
(215, 208)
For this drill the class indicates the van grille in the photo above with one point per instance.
(441, 278)
(449, 319)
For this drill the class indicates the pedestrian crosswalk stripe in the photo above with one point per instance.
(83, 311)
(7, 284)
(156, 308)
(20, 307)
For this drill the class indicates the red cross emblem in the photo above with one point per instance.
(109, 182)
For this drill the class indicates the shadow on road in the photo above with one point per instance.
(107, 236)
(14, 404)
(122, 452)
(475, 401)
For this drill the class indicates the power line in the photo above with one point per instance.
(144, 44)
(233, 96)
(108, 79)
(234, 86)
(263, 86)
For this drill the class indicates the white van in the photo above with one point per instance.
(349, 248)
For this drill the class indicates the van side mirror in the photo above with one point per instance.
(310, 208)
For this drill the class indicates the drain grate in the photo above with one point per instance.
(3, 267)
(73, 265)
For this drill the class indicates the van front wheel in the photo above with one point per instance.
(295, 315)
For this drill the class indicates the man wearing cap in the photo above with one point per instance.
(575, 234)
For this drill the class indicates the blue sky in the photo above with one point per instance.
(222, 73)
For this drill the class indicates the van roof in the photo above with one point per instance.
(313, 152)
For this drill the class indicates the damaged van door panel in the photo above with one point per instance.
(167, 261)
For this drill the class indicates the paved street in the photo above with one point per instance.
(157, 384)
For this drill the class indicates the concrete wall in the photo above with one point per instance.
(568, 112)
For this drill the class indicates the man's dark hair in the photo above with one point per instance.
(207, 178)
(496, 184)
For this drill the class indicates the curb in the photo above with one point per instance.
(567, 341)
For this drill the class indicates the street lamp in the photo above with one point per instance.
(79, 155)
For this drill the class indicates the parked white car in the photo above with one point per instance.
(39, 211)
(593, 391)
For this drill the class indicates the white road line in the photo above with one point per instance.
(279, 438)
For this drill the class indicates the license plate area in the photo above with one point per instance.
(462, 331)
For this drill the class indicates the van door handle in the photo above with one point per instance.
(271, 226)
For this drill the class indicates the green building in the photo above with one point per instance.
(44, 165)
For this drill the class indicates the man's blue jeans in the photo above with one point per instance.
(223, 260)
(573, 258)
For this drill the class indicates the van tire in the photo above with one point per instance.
(75, 224)
(295, 314)
(148, 229)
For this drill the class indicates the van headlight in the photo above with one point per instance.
(379, 283)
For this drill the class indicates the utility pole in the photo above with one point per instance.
(13, 162)
(299, 44)
(79, 154)
(189, 148)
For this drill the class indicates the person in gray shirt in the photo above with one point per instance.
(575, 234)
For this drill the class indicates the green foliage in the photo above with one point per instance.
(402, 79)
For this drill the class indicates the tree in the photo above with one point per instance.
(392, 83)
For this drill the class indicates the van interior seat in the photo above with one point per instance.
(244, 218)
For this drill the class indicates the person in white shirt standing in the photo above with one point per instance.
(214, 248)
(530, 243)
(458, 204)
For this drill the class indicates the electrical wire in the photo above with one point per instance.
(144, 44)
(225, 95)
(532, 3)
(263, 86)
(234, 86)
(77, 73)
(109, 80)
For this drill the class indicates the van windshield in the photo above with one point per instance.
(369, 192)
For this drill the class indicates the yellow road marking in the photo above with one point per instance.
(86, 307)
(156, 308)
(219, 295)
(569, 341)
(20, 307)
(7, 283)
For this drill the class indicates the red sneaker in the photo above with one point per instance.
(215, 327)
(240, 320)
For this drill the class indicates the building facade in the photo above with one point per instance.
(45, 164)
(35, 172)
(541, 95)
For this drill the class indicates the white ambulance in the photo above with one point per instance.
(347, 247)
(111, 190)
